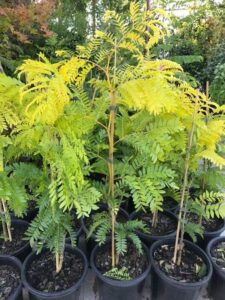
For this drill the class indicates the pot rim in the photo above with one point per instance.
(209, 247)
(120, 283)
(173, 281)
(218, 231)
(17, 263)
(210, 233)
(26, 246)
(156, 237)
(49, 295)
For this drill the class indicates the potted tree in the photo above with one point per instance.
(54, 129)
(186, 269)
(207, 210)
(126, 92)
(13, 178)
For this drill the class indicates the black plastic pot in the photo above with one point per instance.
(149, 239)
(25, 250)
(217, 285)
(71, 293)
(91, 243)
(173, 208)
(207, 235)
(110, 289)
(14, 262)
(164, 288)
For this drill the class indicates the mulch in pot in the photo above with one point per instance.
(9, 281)
(7, 247)
(165, 225)
(192, 268)
(42, 276)
(218, 254)
(134, 263)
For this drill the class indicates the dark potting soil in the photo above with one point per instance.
(9, 281)
(134, 263)
(165, 225)
(17, 240)
(32, 206)
(191, 269)
(42, 275)
(76, 224)
(169, 203)
(211, 225)
(218, 255)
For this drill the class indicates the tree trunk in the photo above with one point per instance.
(111, 129)
(179, 238)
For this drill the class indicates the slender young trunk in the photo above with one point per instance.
(155, 219)
(182, 227)
(5, 235)
(58, 262)
(111, 130)
(148, 4)
(59, 258)
(179, 240)
(205, 167)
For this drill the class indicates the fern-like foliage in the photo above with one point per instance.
(213, 204)
(50, 228)
(124, 232)
(118, 274)
(153, 113)
(147, 185)
(10, 112)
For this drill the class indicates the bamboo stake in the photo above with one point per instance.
(5, 235)
(8, 224)
(178, 242)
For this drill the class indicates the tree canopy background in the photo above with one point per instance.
(196, 38)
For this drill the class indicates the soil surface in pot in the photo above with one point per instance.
(32, 206)
(169, 203)
(218, 254)
(9, 281)
(192, 267)
(211, 225)
(134, 263)
(166, 224)
(17, 240)
(42, 276)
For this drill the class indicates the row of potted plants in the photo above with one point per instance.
(109, 137)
